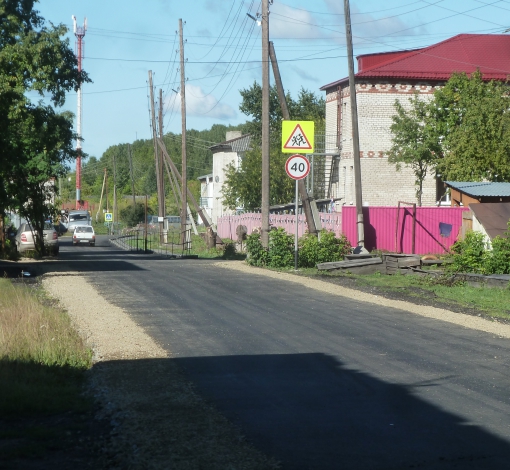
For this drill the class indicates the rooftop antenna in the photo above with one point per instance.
(79, 32)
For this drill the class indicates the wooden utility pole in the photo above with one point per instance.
(154, 139)
(114, 194)
(132, 176)
(305, 198)
(355, 130)
(264, 236)
(106, 191)
(184, 173)
(161, 212)
(201, 212)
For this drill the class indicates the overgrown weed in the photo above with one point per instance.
(42, 358)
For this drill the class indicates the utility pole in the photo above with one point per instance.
(264, 236)
(161, 212)
(114, 194)
(101, 198)
(355, 130)
(132, 176)
(79, 32)
(106, 191)
(305, 198)
(154, 141)
(184, 173)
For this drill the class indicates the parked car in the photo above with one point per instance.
(84, 234)
(25, 237)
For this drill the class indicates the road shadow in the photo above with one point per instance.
(308, 411)
(311, 412)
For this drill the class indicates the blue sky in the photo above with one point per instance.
(126, 39)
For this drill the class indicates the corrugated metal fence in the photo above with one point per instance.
(436, 228)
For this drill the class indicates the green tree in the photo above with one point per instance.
(415, 143)
(243, 185)
(307, 107)
(463, 132)
(35, 141)
(472, 123)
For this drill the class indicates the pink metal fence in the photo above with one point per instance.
(436, 228)
(227, 224)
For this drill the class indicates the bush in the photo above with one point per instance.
(132, 215)
(329, 248)
(498, 260)
(281, 249)
(279, 255)
(468, 255)
(256, 254)
(229, 251)
(471, 255)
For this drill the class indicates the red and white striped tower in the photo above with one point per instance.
(79, 32)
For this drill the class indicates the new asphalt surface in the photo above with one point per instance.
(317, 380)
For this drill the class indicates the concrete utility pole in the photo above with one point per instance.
(264, 236)
(184, 173)
(355, 130)
(305, 198)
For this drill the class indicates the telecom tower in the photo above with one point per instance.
(79, 32)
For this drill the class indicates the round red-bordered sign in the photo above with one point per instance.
(297, 167)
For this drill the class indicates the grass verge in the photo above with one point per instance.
(42, 366)
(493, 302)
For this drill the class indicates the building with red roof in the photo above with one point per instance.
(383, 78)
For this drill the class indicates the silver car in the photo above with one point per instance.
(84, 234)
(25, 237)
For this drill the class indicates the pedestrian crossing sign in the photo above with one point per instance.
(108, 217)
(297, 136)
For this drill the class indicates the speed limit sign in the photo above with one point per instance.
(297, 167)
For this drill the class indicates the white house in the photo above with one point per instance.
(225, 153)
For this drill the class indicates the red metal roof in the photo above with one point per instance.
(490, 53)
(367, 61)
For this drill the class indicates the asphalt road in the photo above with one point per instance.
(316, 380)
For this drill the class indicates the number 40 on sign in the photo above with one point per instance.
(297, 167)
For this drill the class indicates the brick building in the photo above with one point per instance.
(382, 79)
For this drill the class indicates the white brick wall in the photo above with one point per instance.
(220, 161)
(381, 183)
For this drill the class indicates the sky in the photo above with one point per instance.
(223, 51)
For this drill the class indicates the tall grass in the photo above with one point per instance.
(42, 358)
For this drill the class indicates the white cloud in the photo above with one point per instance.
(200, 104)
(285, 21)
(380, 24)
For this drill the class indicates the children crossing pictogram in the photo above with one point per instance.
(297, 136)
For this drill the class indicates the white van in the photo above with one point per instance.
(75, 218)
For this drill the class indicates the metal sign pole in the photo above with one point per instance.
(297, 226)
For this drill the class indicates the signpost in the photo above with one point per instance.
(297, 167)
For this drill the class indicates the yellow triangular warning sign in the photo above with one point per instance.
(298, 136)
(297, 140)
